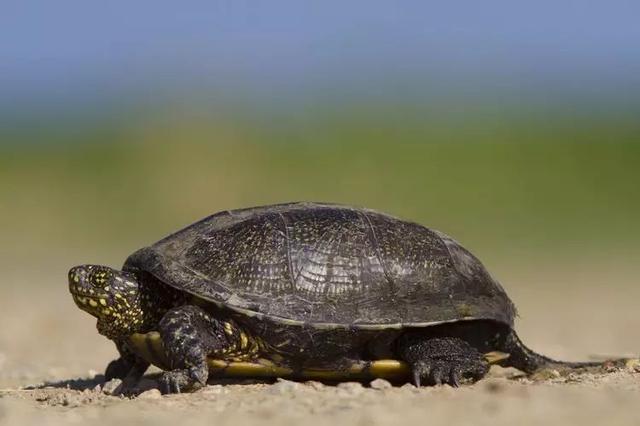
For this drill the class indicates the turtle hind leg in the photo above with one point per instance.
(440, 360)
(189, 334)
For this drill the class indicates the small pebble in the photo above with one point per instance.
(610, 366)
(284, 386)
(380, 384)
(150, 394)
(71, 401)
(410, 387)
(633, 365)
(112, 387)
(545, 374)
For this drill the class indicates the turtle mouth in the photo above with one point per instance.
(90, 301)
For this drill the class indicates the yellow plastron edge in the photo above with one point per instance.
(150, 347)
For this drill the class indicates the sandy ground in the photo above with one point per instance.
(51, 358)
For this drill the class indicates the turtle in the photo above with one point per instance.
(304, 291)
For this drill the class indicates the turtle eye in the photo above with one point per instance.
(99, 276)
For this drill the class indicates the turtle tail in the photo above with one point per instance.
(528, 361)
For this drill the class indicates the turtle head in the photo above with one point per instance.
(110, 295)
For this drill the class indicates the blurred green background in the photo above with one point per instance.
(503, 184)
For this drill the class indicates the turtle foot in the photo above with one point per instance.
(178, 381)
(445, 360)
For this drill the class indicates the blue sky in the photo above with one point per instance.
(66, 50)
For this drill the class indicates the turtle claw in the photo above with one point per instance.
(178, 381)
(437, 375)
(455, 376)
(416, 378)
(420, 370)
(172, 382)
(441, 373)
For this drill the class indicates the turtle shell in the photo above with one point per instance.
(328, 266)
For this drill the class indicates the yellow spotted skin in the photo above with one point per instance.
(150, 347)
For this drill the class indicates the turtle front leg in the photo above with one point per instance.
(190, 334)
(440, 360)
(129, 367)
